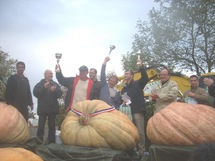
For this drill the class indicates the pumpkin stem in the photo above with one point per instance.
(83, 119)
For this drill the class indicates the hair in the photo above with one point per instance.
(204, 152)
(20, 63)
(194, 76)
(94, 70)
(115, 77)
(132, 73)
(46, 71)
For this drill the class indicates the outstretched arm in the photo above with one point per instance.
(103, 72)
(144, 77)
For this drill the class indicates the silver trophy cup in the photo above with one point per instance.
(112, 47)
(58, 57)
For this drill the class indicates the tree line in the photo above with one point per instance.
(179, 34)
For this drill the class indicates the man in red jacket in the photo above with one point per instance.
(80, 88)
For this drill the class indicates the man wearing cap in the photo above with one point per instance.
(80, 88)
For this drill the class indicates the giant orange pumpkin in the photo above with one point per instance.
(18, 154)
(182, 124)
(95, 124)
(13, 127)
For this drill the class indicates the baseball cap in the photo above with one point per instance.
(83, 68)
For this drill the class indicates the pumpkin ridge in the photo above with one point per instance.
(99, 106)
(182, 124)
(106, 130)
(126, 131)
(179, 134)
(4, 137)
(113, 132)
(207, 122)
(16, 132)
(73, 140)
(113, 120)
(89, 107)
(161, 133)
(118, 113)
(89, 139)
(182, 135)
(198, 124)
(70, 131)
(20, 129)
(15, 153)
(152, 133)
(14, 128)
(102, 136)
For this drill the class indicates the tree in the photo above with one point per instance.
(7, 67)
(180, 35)
(7, 64)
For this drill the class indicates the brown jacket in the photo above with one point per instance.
(201, 96)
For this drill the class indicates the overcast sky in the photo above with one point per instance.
(82, 30)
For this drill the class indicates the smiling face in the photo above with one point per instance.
(48, 75)
(164, 75)
(112, 81)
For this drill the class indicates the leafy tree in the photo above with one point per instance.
(7, 67)
(180, 35)
(7, 64)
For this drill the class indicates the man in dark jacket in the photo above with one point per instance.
(134, 90)
(18, 93)
(47, 92)
(80, 88)
(96, 82)
(211, 87)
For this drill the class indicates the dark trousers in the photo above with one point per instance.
(24, 112)
(51, 127)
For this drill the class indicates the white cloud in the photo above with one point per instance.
(82, 30)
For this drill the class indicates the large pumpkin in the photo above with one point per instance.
(96, 124)
(182, 124)
(18, 154)
(13, 127)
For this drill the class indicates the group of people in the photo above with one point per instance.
(79, 88)
(166, 91)
(18, 94)
(82, 87)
